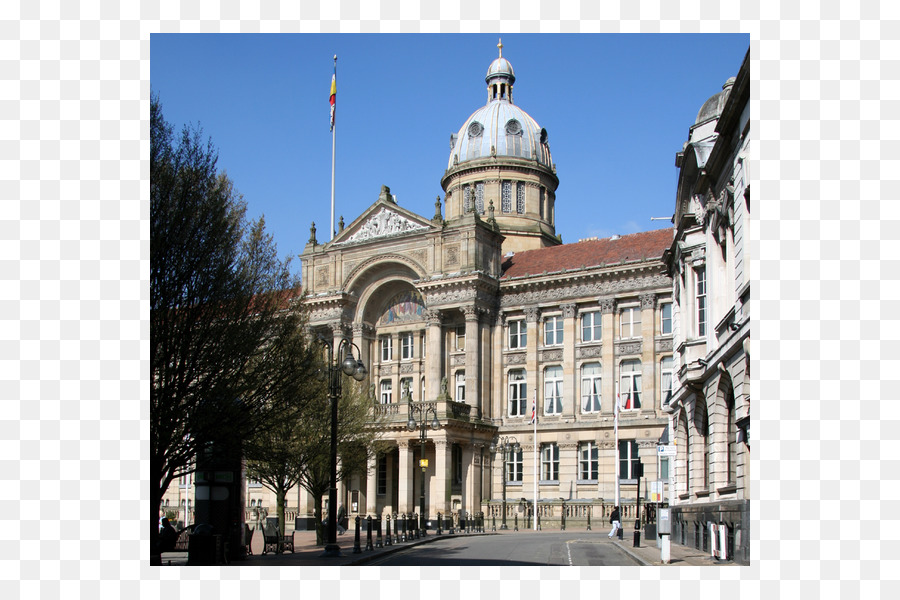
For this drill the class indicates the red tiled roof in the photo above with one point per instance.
(648, 245)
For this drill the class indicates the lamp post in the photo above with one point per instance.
(505, 444)
(340, 360)
(422, 425)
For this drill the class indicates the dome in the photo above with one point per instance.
(712, 108)
(506, 128)
(500, 128)
(500, 66)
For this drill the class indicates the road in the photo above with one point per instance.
(514, 549)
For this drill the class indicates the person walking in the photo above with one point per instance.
(616, 524)
(340, 520)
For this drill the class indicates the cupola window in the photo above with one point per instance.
(520, 198)
(476, 129)
(506, 197)
(479, 197)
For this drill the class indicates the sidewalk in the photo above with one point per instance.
(307, 553)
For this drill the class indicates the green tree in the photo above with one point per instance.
(221, 308)
(357, 434)
(273, 453)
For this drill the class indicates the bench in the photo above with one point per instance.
(270, 543)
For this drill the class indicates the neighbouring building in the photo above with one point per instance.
(708, 261)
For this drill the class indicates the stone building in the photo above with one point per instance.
(708, 261)
(474, 312)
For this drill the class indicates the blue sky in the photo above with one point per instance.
(616, 107)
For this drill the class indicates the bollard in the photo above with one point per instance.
(403, 535)
(562, 518)
(539, 522)
(356, 547)
(637, 533)
(414, 527)
(439, 524)
(369, 533)
(589, 519)
(387, 539)
(378, 542)
(494, 522)
(516, 522)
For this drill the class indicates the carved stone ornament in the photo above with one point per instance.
(551, 355)
(515, 359)
(532, 314)
(589, 352)
(648, 301)
(628, 348)
(568, 311)
(382, 224)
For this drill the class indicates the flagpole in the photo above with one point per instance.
(331, 226)
(534, 511)
(616, 427)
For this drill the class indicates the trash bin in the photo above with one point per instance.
(205, 547)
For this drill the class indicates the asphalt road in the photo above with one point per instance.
(514, 549)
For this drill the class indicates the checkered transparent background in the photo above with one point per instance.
(74, 265)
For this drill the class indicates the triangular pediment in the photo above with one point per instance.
(384, 219)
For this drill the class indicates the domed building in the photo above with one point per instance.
(475, 316)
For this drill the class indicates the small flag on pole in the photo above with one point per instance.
(533, 412)
(333, 94)
(628, 401)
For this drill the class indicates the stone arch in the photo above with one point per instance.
(375, 280)
(725, 403)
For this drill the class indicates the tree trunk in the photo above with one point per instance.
(280, 496)
(320, 533)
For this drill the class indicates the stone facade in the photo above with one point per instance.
(710, 408)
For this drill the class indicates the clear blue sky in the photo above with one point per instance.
(616, 108)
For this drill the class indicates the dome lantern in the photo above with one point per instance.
(500, 78)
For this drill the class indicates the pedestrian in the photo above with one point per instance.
(167, 536)
(340, 520)
(616, 524)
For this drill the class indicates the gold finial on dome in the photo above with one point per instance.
(500, 47)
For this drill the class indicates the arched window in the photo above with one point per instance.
(731, 434)
(701, 420)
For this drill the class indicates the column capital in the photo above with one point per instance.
(434, 316)
(532, 314)
(648, 301)
(569, 310)
(471, 313)
(607, 305)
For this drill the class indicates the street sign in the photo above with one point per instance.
(423, 462)
(667, 450)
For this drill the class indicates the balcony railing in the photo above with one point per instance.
(398, 412)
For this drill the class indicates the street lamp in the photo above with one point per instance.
(423, 425)
(505, 444)
(340, 360)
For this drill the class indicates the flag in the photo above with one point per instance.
(333, 94)
(533, 413)
(628, 401)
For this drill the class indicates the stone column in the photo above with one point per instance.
(571, 391)
(497, 376)
(607, 355)
(469, 478)
(473, 355)
(649, 372)
(435, 357)
(441, 483)
(533, 325)
(372, 485)
(405, 489)
(361, 336)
